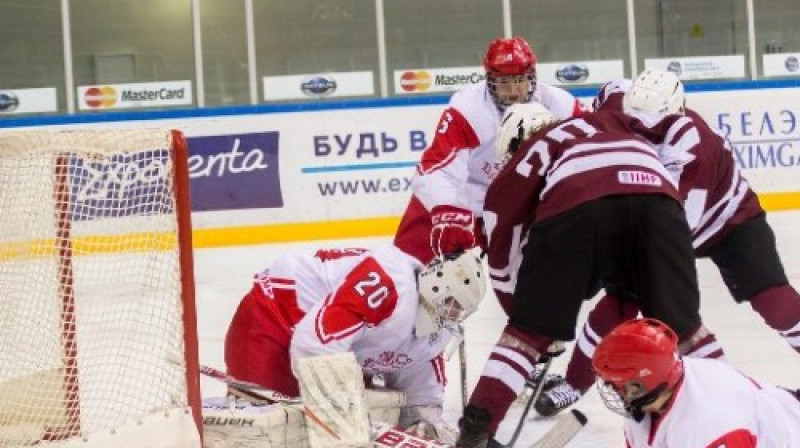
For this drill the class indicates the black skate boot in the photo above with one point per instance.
(550, 379)
(556, 396)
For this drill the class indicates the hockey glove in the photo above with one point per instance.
(452, 229)
(427, 422)
(474, 428)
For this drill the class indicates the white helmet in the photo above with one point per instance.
(655, 92)
(450, 289)
(519, 122)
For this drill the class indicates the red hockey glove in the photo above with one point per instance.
(452, 229)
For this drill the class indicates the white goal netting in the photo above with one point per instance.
(95, 291)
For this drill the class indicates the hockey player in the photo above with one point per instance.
(395, 314)
(444, 212)
(728, 224)
(674, 401)
(583, 204)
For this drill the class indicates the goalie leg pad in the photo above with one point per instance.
(333, 393)
(230, 423)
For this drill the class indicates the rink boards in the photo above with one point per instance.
(281, 173)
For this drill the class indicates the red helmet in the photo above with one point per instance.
(639, 357)
(509, 57)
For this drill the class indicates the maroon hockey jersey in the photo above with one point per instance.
(578, 160)
(715, 194)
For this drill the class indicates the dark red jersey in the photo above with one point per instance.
(716, 195)
(578, 160)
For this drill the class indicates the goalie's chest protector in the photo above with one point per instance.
(383, 352)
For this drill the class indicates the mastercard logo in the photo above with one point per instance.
(100, 96)
(415, 81)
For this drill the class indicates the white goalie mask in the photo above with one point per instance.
(450, 290)
(519, 122)
(655, 92)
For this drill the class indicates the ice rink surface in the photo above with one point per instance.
(223, 276)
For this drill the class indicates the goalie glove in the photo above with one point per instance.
(427, 422)
(452, 229)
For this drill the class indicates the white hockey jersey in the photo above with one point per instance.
(717, 406)
(458, 166)
(362, 301)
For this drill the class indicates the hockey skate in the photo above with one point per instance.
(556, 396)
(550, 380)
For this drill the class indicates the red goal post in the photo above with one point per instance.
(98, 334)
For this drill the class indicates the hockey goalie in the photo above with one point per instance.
(331, 327)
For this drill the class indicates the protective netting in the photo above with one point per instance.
(91, 319)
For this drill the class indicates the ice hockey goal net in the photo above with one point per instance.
(98, 341)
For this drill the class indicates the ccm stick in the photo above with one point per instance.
(558, 436)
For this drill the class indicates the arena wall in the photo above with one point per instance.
(343, 170)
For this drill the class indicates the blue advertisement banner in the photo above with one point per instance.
(227, 172)
(122, 185)
(233, 172)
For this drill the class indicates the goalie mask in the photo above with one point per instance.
(635, 363)
(519, 122)
(655, 92)
(510, 71)
(450, 290)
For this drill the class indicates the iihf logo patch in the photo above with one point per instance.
(638, 178)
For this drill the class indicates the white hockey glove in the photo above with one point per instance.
(385, 405)
(427, 422)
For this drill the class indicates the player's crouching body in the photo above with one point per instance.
(315, 326)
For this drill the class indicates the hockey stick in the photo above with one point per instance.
(565, 429)
(462, 363)
(252, 389)
(538, 385)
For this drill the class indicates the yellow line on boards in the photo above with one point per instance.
(367, 227)
(47, 248)
(301, 231)
(261, 234)
(776, 202)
